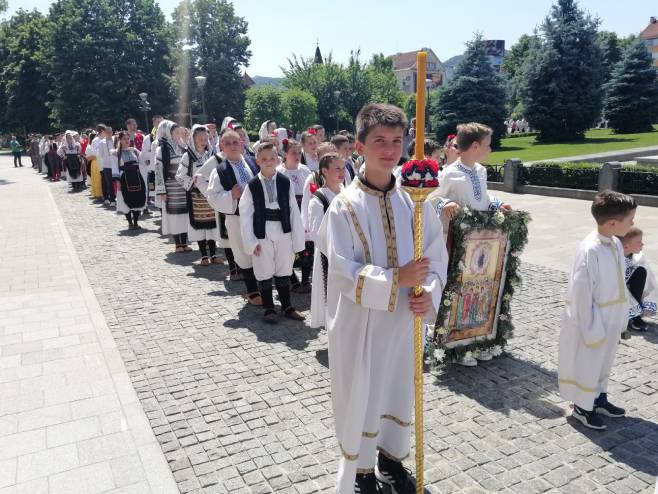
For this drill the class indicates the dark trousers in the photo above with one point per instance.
(17, 159)
(636, 283)
(205, 245)
(282, 284)
(107, 184)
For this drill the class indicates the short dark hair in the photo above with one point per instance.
(469, 133)
(306, 135)
(131, 121)
(289, 144)
(227, 130)
(428, 148)
(264, 146)
(632, 233)
(338, 140)
(376, 114)
(610, 205)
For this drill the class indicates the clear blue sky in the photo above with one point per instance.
(277, 29)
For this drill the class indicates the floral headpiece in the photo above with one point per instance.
(420, 173)
(312, 131)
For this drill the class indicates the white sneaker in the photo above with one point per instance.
(467, 361)
(484, 355)
(113, 204)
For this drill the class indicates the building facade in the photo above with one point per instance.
(405, 69)
(650, 37)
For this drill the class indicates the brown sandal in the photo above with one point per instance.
(254, 298)
(217, 260)
(179, 249)
(205, 261)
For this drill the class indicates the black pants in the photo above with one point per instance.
(207, 245)
(636, 283)
(107, 184)
(17, 159)
(282, 284)
(180, 239)
(132, 217)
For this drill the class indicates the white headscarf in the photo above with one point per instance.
(262, 133)
(280, 134)
(226, 122)
(163, 135)
(203, 156)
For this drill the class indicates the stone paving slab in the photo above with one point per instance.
(241, 407)
(61, 374)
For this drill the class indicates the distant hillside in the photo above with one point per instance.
(452, 62)
(267, 81)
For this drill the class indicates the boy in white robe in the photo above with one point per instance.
(464, 184)
(640, 280)
(272, 231)
(596, 312)
(367, 235)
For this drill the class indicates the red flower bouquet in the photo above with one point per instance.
(420, 173)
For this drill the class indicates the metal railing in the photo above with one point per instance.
(553, 176)
(638, 182)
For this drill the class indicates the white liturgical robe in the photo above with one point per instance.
(596, 313)
(367, 235)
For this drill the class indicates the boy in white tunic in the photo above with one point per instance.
(367, 235)
(596, 312)
(464, 184)
(272, 231)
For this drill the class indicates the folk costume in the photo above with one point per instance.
(223, 177)
(69, 151)
(269, 217)
(131, 194)
(304, 259)
(467, 186)
(317, 208)
(174, 210)
(202, 225)
(367, 235)
(641, 284)
(96, 189)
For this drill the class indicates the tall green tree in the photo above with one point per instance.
(101, 54)
(631, 102)
(611, 53)
(262, 103)
(474, 94)
(22, 76)
(562, 79)
(217, 47)
(299, 108)
(512, 70)
(322, 81)
(383, 84)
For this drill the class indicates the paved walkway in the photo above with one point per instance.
(240, 407)
(70, 420)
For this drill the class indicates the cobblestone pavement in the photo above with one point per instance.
(243, 408)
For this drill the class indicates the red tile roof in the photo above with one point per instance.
(650, 32)
(402, 61)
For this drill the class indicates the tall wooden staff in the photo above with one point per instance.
(419, 195)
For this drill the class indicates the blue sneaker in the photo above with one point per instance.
(604, 407)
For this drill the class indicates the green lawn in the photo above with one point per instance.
(596, 141)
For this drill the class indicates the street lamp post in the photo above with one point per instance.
(337, 95)
(145, 105)
(201, 82)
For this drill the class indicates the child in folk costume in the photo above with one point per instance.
(640, 280)
(272, 231)
(314, 180)
(297, 174)
(69, 151)
(310, 150)
(332, 171)
(202, 226)
(368, 237)
(342, 145)
(131, 194)
(464, 184)
(173, 198)
(596, 312)
(226, 184)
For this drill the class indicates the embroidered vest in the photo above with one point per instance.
(227, 176)
(283, 198)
